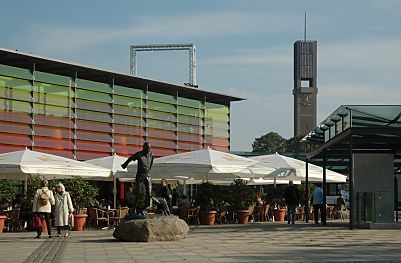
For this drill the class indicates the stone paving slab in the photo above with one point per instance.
(257, 242)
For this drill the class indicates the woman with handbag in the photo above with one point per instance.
(63, 209)
(42, 207)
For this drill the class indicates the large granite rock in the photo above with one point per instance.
(164, 228)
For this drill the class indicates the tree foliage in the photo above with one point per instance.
(242, 196)
(272, 142)
(82, 192)
(7, 193)
(205, 196)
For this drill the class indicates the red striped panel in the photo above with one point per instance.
(93, 146)
(221, 148)
(189, 146)
(63, 153)
(161, 143)
(130, 130)
(217, 141)
(126, 150)
(93, 136)
(15, 117)
(9, 127)
(160, 152)
(87, 155)
(10, 148)
(93, 126)
(58, 144)
(155, 133)
(127, 139)
(53, 132)
(53, 121)
(15, 139)
(189, 137)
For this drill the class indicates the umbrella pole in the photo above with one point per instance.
(114, 191)
(306, 200)
(26, 184)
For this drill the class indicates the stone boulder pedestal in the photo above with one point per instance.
(164, 228)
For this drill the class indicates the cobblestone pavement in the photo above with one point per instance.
(257, 242)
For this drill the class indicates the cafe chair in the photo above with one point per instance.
(100, 216)
(193, 215)
(120, 214)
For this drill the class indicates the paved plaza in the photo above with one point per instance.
(255, 242)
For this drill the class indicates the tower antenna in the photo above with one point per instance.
(305, 28)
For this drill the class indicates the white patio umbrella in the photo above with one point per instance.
(206, 165)
(18, 164)
(293, 169)
(113, 164)
(261, 181)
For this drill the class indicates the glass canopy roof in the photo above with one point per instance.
(373, 128)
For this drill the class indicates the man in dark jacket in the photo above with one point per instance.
(145, 162)
(291, 196)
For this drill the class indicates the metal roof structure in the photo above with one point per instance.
(59, 67)
(356, 128)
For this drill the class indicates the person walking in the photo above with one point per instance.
(42, 206)
(63, 209)
(317, 203)
(292, 199)
(174, 197)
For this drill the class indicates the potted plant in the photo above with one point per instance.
(7, 196)
(204, 197)
(83, 195)
(279, 207)
(242, 198)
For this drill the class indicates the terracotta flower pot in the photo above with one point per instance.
(208, 218)
(2, 219)
(79, 222)
(242, 216)
(279, 214)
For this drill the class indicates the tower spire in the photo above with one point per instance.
(305, 28)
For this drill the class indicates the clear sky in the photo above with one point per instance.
(244, 48)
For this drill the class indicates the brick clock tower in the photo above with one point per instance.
(305, 86)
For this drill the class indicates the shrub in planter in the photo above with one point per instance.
(205, 198)
(82, 193)
(7, 194)
(241, 198)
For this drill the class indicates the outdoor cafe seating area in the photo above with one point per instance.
(258, 214)
(107, 218)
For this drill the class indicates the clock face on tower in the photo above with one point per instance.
(305, 100)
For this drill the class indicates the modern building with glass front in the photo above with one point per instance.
(83, 113)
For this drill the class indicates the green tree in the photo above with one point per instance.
(271, 142)
(7, 193)
(82, 192)
(294, 144)
(241, 195)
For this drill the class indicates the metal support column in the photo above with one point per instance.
(351, 184)
(324, 210)
(306, 200)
